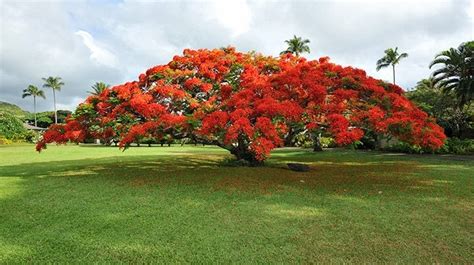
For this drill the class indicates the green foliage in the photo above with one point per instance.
(305, 140)
(98, 87)
(456, 73)
(331, 74)
(368, 141)
(349, 83)
(13, 109)
(328, 142)
(401, 147)
(11, 127)
(452, 146)
(458, 146)
(85, 109)
(55, 83)
(29, 136)
(391, 58)
(4, 140)
(46, 118)
(44, 121)
(33, 91)
(233, 76)
(149, 141)
(297, 46)
(62, 115)
(443, 105)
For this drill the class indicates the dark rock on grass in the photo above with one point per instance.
(298, 167)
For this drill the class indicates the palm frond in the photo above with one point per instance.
(440, 71)
(438, 60)
(403, 55)
(382, 63)
(296, 46)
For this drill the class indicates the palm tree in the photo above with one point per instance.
(296, 46)
(457, 72)
(391, 58)
(34, 92)
(98, 87)
(54, 83)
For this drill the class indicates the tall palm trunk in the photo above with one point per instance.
(55, 112)
(393, 70)
(34, 108)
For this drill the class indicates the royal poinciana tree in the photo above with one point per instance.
(247, 103)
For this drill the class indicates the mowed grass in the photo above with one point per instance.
(183, 204)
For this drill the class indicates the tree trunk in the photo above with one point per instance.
(378, 142)
(318, 147)
(289, 138)
(55, 111)
(393, 70)
(34, 108)
(244, 154)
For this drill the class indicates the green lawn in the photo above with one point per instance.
(183, 204)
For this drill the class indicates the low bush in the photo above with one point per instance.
(306, 141)
(457, 146)
(451, 146)
(402, 147)
(10, 126)
(4, 140)
(328, 142)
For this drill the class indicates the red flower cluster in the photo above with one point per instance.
(339, 127)
(247, 103)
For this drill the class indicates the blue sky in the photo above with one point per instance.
(115, 41)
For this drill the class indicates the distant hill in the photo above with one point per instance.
(13, 109)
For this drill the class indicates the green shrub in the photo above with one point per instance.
(328, 142)
(451, 146)
(149, 141)
(11, 127)
(4, 140)
(305, 140)
(457, 146)
(401, 147)
(29, 136)
(368, 141)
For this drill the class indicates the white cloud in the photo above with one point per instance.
(234, 15)
(75, 40)
(98, 54)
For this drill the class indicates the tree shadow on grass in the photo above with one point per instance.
(330, 173)
(189, 208)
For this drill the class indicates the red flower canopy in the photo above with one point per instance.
(247, 103)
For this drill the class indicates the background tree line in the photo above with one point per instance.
(446, 95)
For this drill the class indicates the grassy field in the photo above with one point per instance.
(183, 204)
